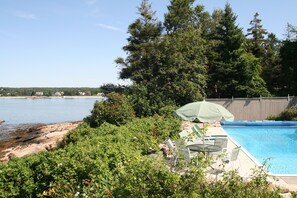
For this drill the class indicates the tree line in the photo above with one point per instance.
(64, 91)
(49, 91)
(193, 54)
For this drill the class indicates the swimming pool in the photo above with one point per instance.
(278, 144)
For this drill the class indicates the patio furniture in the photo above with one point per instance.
(197, 129)
(189, 138)
(172, 155)
(170, 144)
(185, 152)
(205, 148)
(222, 143)
(231, 157)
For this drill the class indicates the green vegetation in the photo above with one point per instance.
(193, 54)
(63, 91)
(115, 110)
(113, 161)
(115, 153)
(289, 114)
(121, 160)
(52, 91)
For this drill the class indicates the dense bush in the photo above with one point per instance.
(116, 161)
(147, 103)
(115, 110)
(289, 114)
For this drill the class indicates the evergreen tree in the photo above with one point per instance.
(271, 69)
(168, 69)
(291, 32)
(288, 56)
(251, 84)
(257, 42)
(182, 67)
(229, 70)
(223, 69)
(179, 16)
(202, 20)
(212, 53)
(143, 34)
(183, 51)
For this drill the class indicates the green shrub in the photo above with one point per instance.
(147, 177)
(115, 110)
(147, 103)
(289, 114)
(168, 111)
(113, 161)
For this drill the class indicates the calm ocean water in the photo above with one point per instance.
(46, 110)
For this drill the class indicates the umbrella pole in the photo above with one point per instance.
(203, 135)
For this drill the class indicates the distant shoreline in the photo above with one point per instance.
(48, 97)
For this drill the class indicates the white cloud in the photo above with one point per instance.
(25, 15)
(104, 26)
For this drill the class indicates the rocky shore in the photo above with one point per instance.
(30, 139)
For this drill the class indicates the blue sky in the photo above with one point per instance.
(73, 43)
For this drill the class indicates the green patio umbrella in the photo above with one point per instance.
(204, 112)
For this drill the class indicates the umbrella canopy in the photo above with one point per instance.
(204, 112)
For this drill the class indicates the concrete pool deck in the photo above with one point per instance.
(246, 163)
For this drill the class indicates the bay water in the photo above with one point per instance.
(17, 111)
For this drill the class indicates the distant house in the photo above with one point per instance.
(39, 93)
(59, 93)
(100, 94)
(81, 93)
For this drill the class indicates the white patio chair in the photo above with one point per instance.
(197, 129)
(222, 143)
(185, 152)
(172, 151)
(232, 157)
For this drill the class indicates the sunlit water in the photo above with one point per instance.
(47, 110)
(278, 144)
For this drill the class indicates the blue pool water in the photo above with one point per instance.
(278, 144)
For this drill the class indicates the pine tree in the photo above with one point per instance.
(179, 16)
(257, 42)
(291, 32)
(182, 66)
(141, 44)
(165, 69)
(288, 53)
(223, 69)
(251, 83)
(271, 66)
(233, 71)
